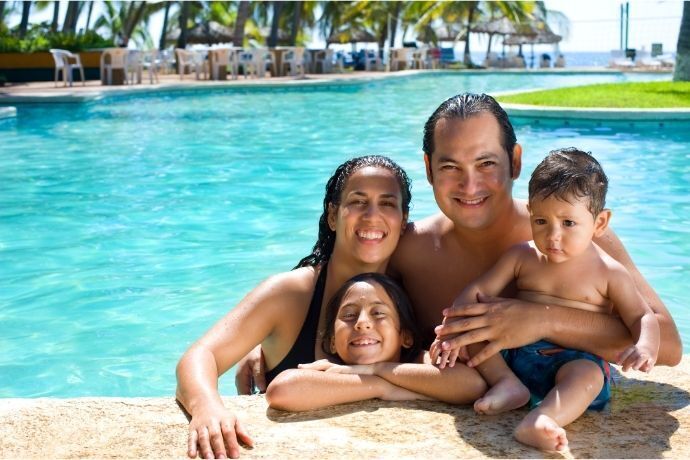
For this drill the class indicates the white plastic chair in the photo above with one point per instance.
(190, 60)
(419, 59)
(371, 60)
(135, 66)
(324, 59)
(63, 63)
(401, 57)
(151, 62)
(223, 58)
(113, 58)
(294, 61)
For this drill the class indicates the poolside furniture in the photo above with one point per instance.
(645, 61)
(545, 61)
(219, 60)
(134, 66)
(152, 64)
(190, 59)
(114, 66)
(372, 61)
(447, 56)
(619, 60)
(401, 58)
(293, 61)
(560, 61)
(323, 59)
(66, 63)
(419, 59)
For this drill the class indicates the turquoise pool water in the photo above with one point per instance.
(129, 225)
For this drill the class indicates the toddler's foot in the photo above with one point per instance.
(542, 432)
(508, 394)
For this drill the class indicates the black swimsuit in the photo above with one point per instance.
(302, 350)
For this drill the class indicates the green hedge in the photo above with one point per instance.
(39, 38)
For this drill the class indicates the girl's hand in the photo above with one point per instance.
(214, 433)
(327, 366)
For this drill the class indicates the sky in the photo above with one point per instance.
(594, 24)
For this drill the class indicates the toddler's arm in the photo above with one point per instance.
(639, 319)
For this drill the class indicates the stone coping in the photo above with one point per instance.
(597, 113)
(649, 417)
(7, 112)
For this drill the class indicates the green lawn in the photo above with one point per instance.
(646, 95)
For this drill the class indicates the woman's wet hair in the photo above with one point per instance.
(464, 106)
(323, 248)
(567, 173)
(401, 302)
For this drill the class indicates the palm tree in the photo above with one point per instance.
(164, 30)
(240, 21)
(72, 16)
(56, 16)
(682, 70)
(24, 24)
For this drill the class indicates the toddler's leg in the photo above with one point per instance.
(507, 391)
(577, 384)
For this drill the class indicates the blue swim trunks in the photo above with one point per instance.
(536, 366)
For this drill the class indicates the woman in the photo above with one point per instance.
(364, 212)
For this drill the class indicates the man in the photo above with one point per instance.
(472, 160)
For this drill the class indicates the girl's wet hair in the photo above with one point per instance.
(401, 302)
(334, 188)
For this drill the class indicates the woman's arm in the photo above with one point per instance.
(249, 323)
(299, 390)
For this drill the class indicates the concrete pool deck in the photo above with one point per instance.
(47, 92)
(649, 417)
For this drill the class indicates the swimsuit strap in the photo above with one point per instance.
(302, 350)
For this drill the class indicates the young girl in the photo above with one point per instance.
(370, 333)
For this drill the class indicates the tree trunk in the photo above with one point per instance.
(275, 24)
(2, 12)
(71, 17)
(488, 49)
(24, 25)
(467, 57)
(296, 22)
(394, 24)
(88, 16)
(132, 20)
(184, 17)
(161, 43)
(56, 16)
(682, 70)
(242, 16)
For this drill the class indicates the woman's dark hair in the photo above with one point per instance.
(334, 188)
(570, 172)
(408, 322)
(464, 106)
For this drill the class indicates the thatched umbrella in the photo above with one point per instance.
(205, 33)
(445, 33)
(543, 36)
(351, 36)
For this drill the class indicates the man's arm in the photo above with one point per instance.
(670, 347)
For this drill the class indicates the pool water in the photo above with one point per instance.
(130, 224)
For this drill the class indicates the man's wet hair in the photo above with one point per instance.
(467, 105)
(401, 302)
(567, 173)
(323, 248)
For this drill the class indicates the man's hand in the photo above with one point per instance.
(251, 373)
(503, 323)
(216, 433)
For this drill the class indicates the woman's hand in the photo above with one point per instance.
(251, 373)
(214, 432)
(503, 323)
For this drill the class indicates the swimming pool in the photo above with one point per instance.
(129, 225)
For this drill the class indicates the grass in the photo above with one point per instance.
(647, 95)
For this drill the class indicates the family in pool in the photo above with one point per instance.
(492, 301)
